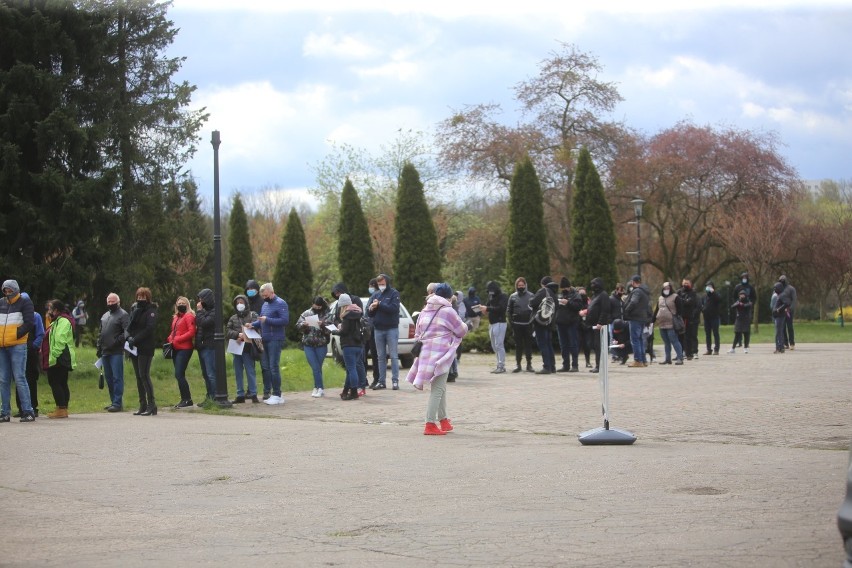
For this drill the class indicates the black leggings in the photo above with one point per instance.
(523, 342)
(57, 378)
(142, 368)
(738, 338)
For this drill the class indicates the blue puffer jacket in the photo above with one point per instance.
(277, 316)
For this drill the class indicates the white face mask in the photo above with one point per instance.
(241, 307)
(745, 280)
(371, 290)
(382, 287)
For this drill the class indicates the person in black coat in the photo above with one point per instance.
(691, 315)
(543, 336)
(597, 316)
(711, 308)
(140, 335)
(568, 308)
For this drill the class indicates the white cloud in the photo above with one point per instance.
(345, 47)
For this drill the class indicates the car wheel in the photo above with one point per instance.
(406, 361)
(336, 353)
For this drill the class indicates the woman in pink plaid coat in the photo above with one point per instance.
(441, 330)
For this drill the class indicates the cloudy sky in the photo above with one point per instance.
(283, 79)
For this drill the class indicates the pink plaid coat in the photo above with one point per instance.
(440, 342)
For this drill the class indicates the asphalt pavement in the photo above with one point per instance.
(740, 460)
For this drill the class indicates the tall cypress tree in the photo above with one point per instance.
(293, 278)
(592, 231)
(354, 244)
(526, 251)
(240, 258)
(417, 258)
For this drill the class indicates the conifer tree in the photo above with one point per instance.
(293, 278)
(240, 258)
(354, 244)
(526, 251)
(592, 230)
(417, 259)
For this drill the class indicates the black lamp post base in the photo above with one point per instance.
(223, 402)
(606, 437)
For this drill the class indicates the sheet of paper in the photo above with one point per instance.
(312, 321)
(236, 347)
(132, 350)
(331, 327)
(251, 333)
(99, 363)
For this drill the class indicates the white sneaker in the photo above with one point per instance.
(746, 349)
(274, 400)
(320, 393)
(314, 393)
(732, 351)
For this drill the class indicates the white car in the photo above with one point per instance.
(406, 338)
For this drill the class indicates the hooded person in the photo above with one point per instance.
(542, 330)
(312, 323)
(253, 294)
(351, 340)
(568, 306)
(742, 323)
(336, 291)
(496, 307)
(383, 309)
(473, 307)
(17, 314)
(711, 309)
(441, 330)
(780, 308)
(520, 314)
(205, 327)
(244, 363)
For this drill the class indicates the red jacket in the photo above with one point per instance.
(183, 331)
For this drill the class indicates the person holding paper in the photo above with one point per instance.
(272, 321)
(244, 362)
(315, 338)
(140, 335)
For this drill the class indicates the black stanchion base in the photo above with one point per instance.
(606, 437)
(223, 402)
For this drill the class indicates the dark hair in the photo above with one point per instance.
(320, 301)
(57, 305)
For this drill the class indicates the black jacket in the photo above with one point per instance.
(538, 298)
(711, 305)
(141, 328)
(569, 313)
(689, 304)
(496, 304)
(638, 306)
(599, 310)
(205, 320)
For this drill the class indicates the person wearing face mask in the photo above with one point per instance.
(567, 319)
(255, 301)
(668, 305)
(543, 330)
(205, 328)
(315, 339)
(495, 307)
(691, 313)
(473, 307)
(711, 309)
(59, 357)
(383, 308)
(272, 323)
(17, 321)
(519, 314)
(110, 349)
(182, 337)
(245, 361)
(370, 350)
(584, 333)
(637, 312)
(751, 293)
(140, 334)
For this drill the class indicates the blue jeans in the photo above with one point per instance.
(181, 362)
(114, 377)
(569, 343)
(670, 338)
(245, 362)
(350, 359)
(387, 341)
(637, 340)
(544, 339)
(207, 358)
(270, 366)
(315, 357)
(13, 364)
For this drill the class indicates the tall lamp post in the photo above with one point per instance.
(221, 396)
(637, 211)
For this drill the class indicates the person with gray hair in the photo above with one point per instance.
(274, 317)
(110, 349)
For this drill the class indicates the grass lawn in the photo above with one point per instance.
(296, 375)
(805, 332)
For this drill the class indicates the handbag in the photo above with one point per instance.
(677, 323)
(168, 351)
(418, 345)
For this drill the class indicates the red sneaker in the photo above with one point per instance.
(362, 392)
(446, 426)
(433, 430)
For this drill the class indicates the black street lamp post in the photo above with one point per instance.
(221, 396)
(637, 211)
